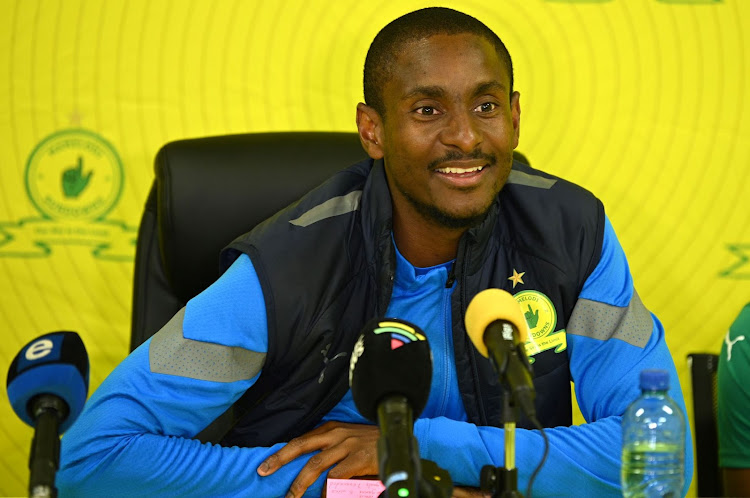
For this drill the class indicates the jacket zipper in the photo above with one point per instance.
(451, 276)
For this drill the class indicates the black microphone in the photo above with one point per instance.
(47, 384)
(390, 374)
(498, 329)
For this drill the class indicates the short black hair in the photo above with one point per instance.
(418, 25)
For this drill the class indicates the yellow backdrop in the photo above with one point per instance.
(644, 102)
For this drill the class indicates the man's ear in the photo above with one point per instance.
(515, 113)
(370, 129)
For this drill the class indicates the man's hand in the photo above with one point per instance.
(460, 492)
(352, 446)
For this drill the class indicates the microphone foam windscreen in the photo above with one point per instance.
(391, 357)
(55, 364)
(488, 306)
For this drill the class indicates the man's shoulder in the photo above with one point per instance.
(287, 233)
(551, 219)
(340, 194)
(332, 192)
(526, 181)
(741, 324)
(534, 195)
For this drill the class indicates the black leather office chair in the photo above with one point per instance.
(206, 192)
(703, 368)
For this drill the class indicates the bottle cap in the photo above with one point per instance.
(654, 380)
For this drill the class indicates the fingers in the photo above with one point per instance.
(317, 439)
(294, 448)
(359, 463)
(268, 466)
(314, 467)
(460, 492)
(351, 446)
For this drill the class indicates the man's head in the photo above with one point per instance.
(413, 26)
(442, 114)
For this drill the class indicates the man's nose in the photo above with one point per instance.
(462, 132)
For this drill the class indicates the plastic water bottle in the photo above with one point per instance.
(653, 441)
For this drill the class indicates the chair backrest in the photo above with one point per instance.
(703, 368)
(206, 192)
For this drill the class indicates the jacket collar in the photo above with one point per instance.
(377, 225)
(476, 241)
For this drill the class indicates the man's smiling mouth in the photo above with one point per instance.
(460, 171)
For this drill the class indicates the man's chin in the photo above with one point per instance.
(457, 221)
(460, 219)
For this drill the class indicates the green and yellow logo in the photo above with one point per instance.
(541, 318)
(740, 267)
(74, 178)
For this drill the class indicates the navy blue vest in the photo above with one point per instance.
(326, 265)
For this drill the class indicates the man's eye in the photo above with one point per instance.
(487, 107)
(426, 110)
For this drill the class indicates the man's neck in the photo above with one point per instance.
(425, 244)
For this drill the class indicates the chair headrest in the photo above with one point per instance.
(211, 190)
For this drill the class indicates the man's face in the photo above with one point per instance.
(449, 129)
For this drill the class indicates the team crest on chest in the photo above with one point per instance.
(541, 317)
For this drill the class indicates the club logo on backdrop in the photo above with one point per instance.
(74, 175)
(73, 179)
(541, 317)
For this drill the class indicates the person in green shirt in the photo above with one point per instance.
(733, 385)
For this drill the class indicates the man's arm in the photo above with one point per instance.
(733, 395)
(581, 457)
(611, 338)
(134, 436)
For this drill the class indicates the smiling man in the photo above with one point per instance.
(439, 213)
(447, 136)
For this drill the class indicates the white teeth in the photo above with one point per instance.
(459, 170)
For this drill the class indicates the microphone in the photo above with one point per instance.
(499, 330)
(47, 386)
(390, 374)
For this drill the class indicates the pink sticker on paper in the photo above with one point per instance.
(353, 488)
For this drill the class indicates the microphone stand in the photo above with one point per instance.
(502, 482)
(44, 459)
(398, 449)
(435, 482)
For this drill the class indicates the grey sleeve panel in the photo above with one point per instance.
(332, 207)
(170, 353)
(632, 324)
(521, 178)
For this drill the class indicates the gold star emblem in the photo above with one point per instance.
(517, 278)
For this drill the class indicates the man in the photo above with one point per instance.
(734, 406)
(440, 213)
